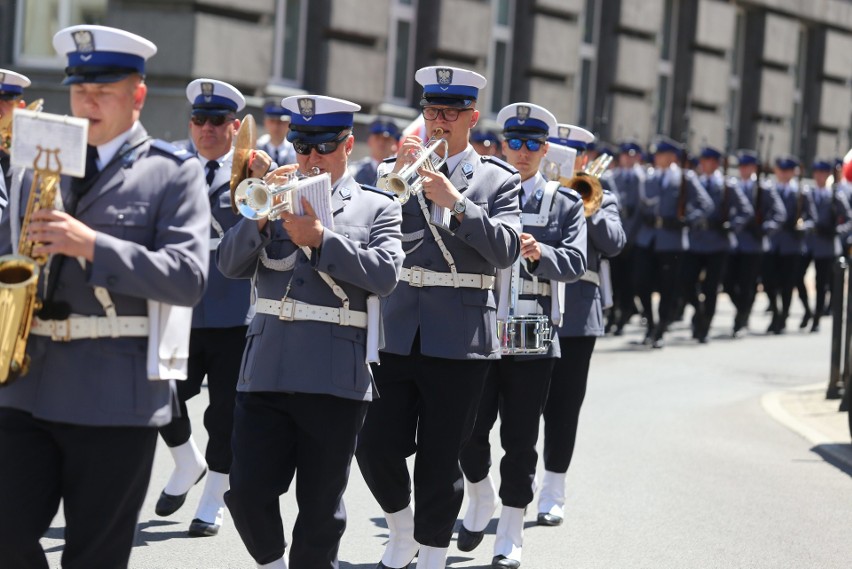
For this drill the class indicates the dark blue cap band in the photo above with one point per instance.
(454, 91)
(7, 88)
(334, 120)
(821, 165)
(214, 102)
(80, 61)
(534, 126)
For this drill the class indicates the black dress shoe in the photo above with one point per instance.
(168, 504)
(383, 566)
(658, 344)
(200, 528)
(806, 319)
(502, 561)
(815, 327)
(468, 540)
(548, 520)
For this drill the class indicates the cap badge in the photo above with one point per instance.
(307, 108)
(84, 41)
(207, 91)
(445, 76)
(522, 112)
(564, 132)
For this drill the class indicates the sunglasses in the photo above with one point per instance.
(518, 143)
(450, 114)
(323, 148)
(215, 120)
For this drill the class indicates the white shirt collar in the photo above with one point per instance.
(454, 160)
(108, 150)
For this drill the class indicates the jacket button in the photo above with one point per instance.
(120, 216)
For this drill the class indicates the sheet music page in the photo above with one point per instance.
(33, 130)
(318, 191)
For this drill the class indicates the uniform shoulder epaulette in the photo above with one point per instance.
(494, 160)
(570, 193)
(169, 149)
(376, 190)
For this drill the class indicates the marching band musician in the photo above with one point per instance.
(440, 325)
(711, 241)
(383, 142)
(629, 177)
(304, 383)
(753, 239)
(219, 321)
(788, 245)
(276, 122)
(833, 218)
(12, 85)
(670, 206)
(553, 245)
(581, 325)
(82, 424)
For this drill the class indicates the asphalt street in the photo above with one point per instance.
(693, 456)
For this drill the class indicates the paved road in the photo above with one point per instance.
(678, 465)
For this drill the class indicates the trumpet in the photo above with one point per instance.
(255, 199)
(6, 122)
(407, 181)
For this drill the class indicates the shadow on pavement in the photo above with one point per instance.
(836, 454)
(145, 537)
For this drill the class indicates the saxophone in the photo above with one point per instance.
(19, 273)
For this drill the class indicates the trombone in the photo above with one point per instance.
(407, 181)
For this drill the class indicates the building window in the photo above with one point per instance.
(290, 25)
(665, 70)
(734, 82)
(401, 50)
(500, 62)
(37, 22)
(588, 60)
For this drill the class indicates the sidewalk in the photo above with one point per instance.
(807, 412)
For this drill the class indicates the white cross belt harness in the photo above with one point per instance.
(420, 277)
(289, 310)
(82, 327)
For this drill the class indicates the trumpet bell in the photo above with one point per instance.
(253, 199)
(395, 184)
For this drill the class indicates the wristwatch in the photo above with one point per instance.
(460, 206)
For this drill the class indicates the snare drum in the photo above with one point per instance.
(524, 334)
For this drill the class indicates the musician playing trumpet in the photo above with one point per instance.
(553, 250)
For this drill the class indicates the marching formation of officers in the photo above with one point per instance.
(292, 313)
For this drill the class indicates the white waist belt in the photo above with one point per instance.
(535, 287)
(420, 277)
(290, 310)
(591, 277)
(80, 327)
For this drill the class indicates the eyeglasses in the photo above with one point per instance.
(215, 120)
(518, 143)
(450, 114)
(323, 148)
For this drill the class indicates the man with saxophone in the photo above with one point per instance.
(219, 321)
(582, 324)
(440, 322)
(12, 87)
(305, 384)
(553, 247)
(82, 424)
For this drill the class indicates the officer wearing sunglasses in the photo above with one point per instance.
(553, 251)
(304, 385)
(440, 325)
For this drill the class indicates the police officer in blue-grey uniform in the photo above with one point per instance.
(788, 246)
(753, 239)
(711, 241)
(219, 321)
(440, 324)
(82, 424)
(12, 85)
(553, 247)
(304, 384)
(582, 323)
(671, 205)
(383, 142)
(276, 122)
(629, 177)
(833, 218)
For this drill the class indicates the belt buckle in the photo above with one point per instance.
(415, 277)
(287, 312)
(54, 334)
(345, 316)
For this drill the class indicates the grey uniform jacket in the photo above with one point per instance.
(833, 218)
(769, 216)
(606, 238)
(151, 214)
(563, 246)
(630, 185)
(363, 254)
(227, 302)
(798, 202)
(458, 323)
(364, 171)
(731, 211)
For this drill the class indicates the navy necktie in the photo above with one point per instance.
(212, 166)
(80, 185)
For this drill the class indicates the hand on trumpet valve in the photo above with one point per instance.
(409, 151)
(530, 248)
(438, 188)
(281, 175)
(304, 230)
